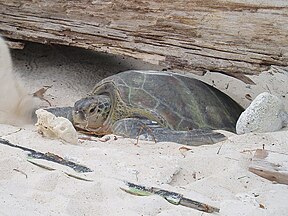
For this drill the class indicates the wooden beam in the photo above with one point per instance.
(234, 37)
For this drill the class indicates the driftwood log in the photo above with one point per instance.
(234, 37)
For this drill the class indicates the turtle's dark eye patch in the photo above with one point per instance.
(92, 110)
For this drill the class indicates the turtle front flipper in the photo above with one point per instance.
(147, 130)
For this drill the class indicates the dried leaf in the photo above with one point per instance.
(78, 177)
(184, 149)
(248, 97)
(261, 206)
(41, 165)
(40, 93)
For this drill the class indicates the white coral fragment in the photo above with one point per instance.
(55, 127)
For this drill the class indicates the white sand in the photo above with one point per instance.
(221, 180)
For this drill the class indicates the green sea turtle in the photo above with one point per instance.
(153, 105)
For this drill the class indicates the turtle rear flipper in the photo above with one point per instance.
(148, 130)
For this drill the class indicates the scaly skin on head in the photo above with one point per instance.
(90, 113)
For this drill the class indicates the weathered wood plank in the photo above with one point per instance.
(234, 37)
(261, 166)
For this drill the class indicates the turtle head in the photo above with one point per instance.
(91, 112)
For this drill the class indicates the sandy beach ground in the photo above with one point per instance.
(214, 174)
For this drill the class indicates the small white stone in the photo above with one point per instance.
(265, 114)
(55, 127)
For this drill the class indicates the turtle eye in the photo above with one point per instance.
(92, 110)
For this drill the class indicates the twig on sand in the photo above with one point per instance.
(49, 156)
(171, 197)
(14, 132)
(21, 172)
(219, 149)
(52, 169)
(41, 165)
(78, 177)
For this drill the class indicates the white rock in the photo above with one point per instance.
(265, 114)
(55, 127)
